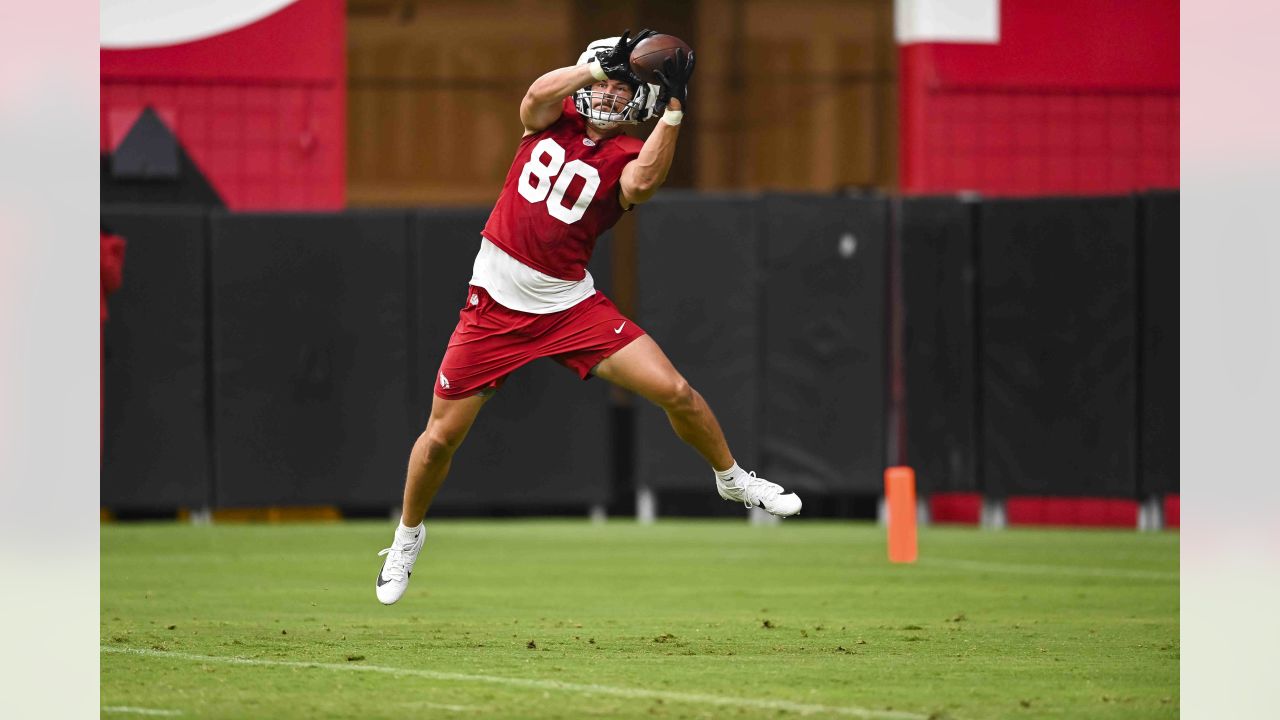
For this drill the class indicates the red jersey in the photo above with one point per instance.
(560, 195)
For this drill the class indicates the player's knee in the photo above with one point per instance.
(441, 442)
(678, 396)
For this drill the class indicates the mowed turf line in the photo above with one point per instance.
(709, 618)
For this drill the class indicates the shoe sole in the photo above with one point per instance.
(762, 507)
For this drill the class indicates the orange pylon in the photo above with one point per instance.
(900, 497)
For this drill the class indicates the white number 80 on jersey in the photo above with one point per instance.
(537, 183)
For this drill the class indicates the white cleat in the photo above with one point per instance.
(393, 578)
(752, 491)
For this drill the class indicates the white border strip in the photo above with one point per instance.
(1067, 570)
(136, 24)
(581, 688)
(950, 21)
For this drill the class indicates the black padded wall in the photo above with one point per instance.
(1159, 321)
(311, 351)
(155, 452)
(823, 313)
(936, 236)
(1057, 326)
(697, 273)
(543, 440)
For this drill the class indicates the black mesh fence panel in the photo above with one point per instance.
(311, 358)
(823, 314)
(1159, 388)
(698, 279)
(155, 451)
(936, 236)
(1058, 352)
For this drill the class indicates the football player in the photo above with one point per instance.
(530, 295)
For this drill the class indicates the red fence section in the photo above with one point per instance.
(966, 508)
(1075, 98)
(261, 109)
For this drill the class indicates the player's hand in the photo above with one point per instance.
(673, 79)
(616, 62)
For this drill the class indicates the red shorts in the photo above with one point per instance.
(492, 341)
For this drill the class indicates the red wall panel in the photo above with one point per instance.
(1076, 98)
(1092, 512)
(1172, 511)
(1098, 44)
(955, 508)
(1097, 512)
(261, 109)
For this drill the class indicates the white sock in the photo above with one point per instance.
(731, 473)
(407, 532)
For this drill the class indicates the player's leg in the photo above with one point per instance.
(432, 453)
(479, 356)
(644, 369)
(429, 463)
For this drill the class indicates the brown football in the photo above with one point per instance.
(654, 50)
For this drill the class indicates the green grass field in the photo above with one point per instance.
(706, 619)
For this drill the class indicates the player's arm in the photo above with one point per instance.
(542, 102)
(642, 177)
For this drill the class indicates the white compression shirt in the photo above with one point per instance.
(519, 287)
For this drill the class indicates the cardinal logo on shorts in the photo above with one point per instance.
(444, 381)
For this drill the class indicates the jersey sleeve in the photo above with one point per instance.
(569, 114)
(565, 123)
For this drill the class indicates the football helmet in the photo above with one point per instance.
(612, 111)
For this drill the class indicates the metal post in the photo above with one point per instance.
(646, 505)
(993, 514)
(1151, 514)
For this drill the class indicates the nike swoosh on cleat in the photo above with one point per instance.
(381, 582)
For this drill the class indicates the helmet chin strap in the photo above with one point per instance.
(604, 124)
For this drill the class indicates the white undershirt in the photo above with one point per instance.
(519, 287)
